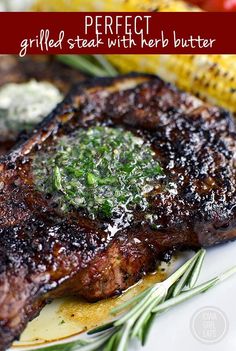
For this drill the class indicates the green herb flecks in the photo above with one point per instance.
(139, 313)
(101, 170)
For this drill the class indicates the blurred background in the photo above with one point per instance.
(75, 5)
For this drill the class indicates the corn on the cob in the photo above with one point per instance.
(211, 77)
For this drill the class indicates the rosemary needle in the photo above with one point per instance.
(193, 271)
(94, 65)
(137, 321)
(106, 65)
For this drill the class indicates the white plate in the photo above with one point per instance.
(172, 331)
(207, 322)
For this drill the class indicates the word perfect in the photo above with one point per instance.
(117, 25)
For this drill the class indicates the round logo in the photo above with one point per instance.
(209, 325)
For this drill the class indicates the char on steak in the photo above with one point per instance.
(46, 254)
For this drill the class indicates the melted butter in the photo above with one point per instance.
(71, 316)
(23, 105)
(107, 172)
(91, 315)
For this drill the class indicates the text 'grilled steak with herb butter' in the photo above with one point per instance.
(122, 173)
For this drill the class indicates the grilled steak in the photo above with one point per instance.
(46, 252)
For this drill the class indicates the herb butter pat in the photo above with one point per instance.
(24, 105)
(103, 171)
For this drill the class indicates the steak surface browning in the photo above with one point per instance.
(45, 253)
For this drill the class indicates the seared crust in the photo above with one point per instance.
(44, 254)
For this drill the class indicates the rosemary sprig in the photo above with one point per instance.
(140, 311)
(101, 59)
(94, 65)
